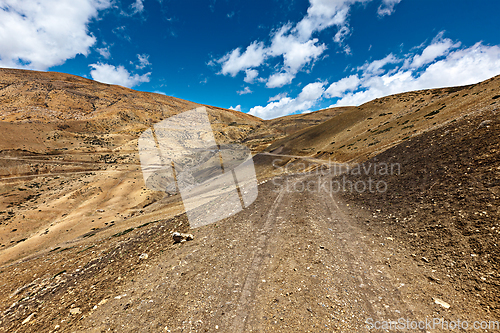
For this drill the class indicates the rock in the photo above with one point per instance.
(103, 301)
(442, 303)
(25, 321)
(75, 311)
(425, 259)
(144, 256)
(485, 123)
(180, 238)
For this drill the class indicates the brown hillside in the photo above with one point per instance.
(359, 133)
(69, 160)
(443, 205)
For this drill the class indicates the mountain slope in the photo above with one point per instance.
(69, 162)
(365, 131)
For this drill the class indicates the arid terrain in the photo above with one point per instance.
(85, 246)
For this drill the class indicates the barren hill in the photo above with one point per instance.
(69, 150)
(359, 133)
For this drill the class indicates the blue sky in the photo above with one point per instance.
(270, 58)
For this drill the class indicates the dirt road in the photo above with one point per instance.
(294, 261)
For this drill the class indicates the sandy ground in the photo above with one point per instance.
(292, 262)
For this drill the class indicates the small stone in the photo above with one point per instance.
(180, 238)
(75, 311)
(25, 321)
(442, 303)
(484, 124)
(144, 256)
(425, 259)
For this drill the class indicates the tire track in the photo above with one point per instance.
(246, 305)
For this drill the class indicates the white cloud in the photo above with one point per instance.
(251, 74)
(294, 43)
(143, 61)
(312, 92)
(323, 14)
(137, 6)
(277, 97)
(110, 74)
(387, 7)
(337, 89)
(235, 61)
(308, 97)
(296, 54)
(443, 66)
(341, 34)
(347, 50)
(236, 108)
(279, 80)
(376, 67)
(104, 52)
(244, 91)
(41, 34)
(439, 47)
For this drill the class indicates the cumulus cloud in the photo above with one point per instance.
(279, 79)
(296, 54)
(337, 89)
(244, 91)
(236, 108)
(110, 74)
(235, 61)
(294, 44)
(251, 74)
(41, 34)
(308, 97)
(441, 64)
(387, 7)
(438, 48)
(277, 97)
